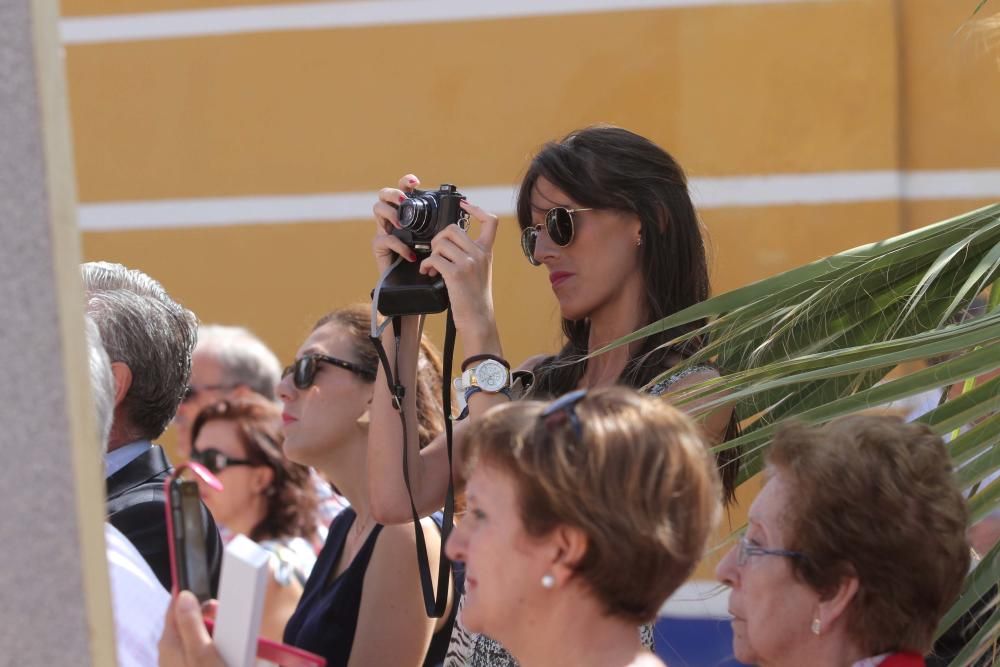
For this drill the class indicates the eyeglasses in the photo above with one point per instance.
(745, 550)
(563, 410)
(216, 461)
(558, 225)
(303, 369)
(192, 391)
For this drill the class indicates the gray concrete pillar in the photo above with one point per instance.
(54, 601)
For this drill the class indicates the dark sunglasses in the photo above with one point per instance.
(303, 370)
(192, 391)
(216, 461)
(558, 225)
(562, 411)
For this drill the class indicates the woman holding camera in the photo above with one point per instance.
(608, 214)
(362, 604)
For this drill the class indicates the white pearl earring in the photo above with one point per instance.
(815, 627)
(548, 581)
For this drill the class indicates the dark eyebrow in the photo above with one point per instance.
(553, 204)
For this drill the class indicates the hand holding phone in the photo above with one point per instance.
(186, 532)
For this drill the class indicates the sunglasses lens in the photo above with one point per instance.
(559, 225)
(207, 458)
(528, 238)
(305, 372)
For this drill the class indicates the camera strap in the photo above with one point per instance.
(434, 605)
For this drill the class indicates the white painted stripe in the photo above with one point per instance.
(955, 184)
(708, 193)
(698, 599)
(829, 188)
(330, 15)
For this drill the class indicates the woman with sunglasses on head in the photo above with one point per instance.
(362, 604)
(607, 213)
(583, 516)
(265, 496)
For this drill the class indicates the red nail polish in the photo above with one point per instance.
(402, 198)
(413, 256)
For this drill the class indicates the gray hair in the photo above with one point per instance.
(149, 332)
(244, 358)
(102, 382)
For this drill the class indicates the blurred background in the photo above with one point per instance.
(233, 149)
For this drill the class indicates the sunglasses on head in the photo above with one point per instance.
(559, 227)
(216, 461)
(562, 411)
(303, 370)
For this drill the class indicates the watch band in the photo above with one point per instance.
(483, 357)
(475, 390)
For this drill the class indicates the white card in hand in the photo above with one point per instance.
(241, 601)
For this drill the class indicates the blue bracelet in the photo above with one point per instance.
(475, 390)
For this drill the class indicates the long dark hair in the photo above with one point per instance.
(611, 168)
(291, 500)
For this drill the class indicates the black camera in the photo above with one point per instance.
(422, 215)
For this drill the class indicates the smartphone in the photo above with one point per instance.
(186, 536)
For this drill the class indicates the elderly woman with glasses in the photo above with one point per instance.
(264, 496)
(584, 515)
(854, 549)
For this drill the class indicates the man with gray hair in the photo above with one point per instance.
(228, 362)
(148, 338)
(138, 601)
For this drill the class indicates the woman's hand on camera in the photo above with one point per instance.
(467, 268)
(385, 245)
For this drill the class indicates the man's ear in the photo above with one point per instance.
(123, 380)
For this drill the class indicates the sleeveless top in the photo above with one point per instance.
(326, 618)
(469, 649)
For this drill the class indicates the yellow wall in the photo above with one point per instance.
(792, 88)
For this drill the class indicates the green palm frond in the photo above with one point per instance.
(818, 342)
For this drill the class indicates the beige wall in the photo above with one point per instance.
(748, 90)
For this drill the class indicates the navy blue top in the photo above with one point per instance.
(326, 617)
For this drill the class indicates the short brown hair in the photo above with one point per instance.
(292, 504)
(875, 497)
(638, 482)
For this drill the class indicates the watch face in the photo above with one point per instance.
(491, 375)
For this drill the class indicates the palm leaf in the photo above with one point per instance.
(817, 342)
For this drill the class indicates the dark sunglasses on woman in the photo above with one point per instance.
(303, 370)
(559, 227)
(216, 461)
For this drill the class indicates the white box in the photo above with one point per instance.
(242, 587)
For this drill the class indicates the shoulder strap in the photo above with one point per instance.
(434, 605)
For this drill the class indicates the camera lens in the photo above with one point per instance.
(417, 213)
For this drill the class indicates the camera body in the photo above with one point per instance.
(422, 215)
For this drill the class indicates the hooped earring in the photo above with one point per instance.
(815, 627)
(548, 581)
